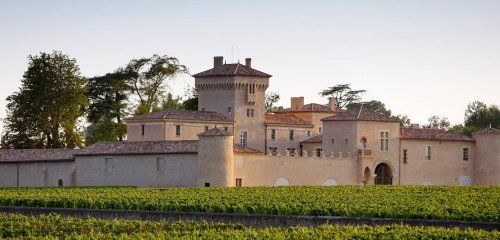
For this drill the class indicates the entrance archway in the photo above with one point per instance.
(383, 175)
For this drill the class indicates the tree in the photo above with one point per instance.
(478, 115)
(147, 77)
(438, 123)
(271, 99)
(343, 94)
(374, 105)
(46, 110)
(404, 120)
(191, 103)
(108, 97)
(168, 103)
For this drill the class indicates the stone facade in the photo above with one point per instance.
(232, 141)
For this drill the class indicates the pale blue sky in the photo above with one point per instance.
(421, 58)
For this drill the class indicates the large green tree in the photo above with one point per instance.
(46, 110)
(147, 77)
(437, 123)
(343, 95)
(478, 115)
(270, 102)
(108, 96)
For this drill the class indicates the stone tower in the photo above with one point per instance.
(215, 159)
(238, 92)
(486, 157)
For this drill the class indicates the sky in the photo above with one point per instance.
(421, 58)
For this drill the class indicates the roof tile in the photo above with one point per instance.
(360, 114)
(183, 115)
(150, 147)
(281, 119)
(432, 134)
(37, 155)
(235, 69)
(314, 139)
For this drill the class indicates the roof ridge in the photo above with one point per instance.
(359, 113)
(236, 69)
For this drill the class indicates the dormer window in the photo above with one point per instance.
(143, 130)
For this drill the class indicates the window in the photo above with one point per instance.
(346, 141)
(465, 154)
(405, 155)
(291, 151)
(160, 164)
(206, 128)
(143, 130)
(291, 135)
(384, 141)
(178, 130)
(251, 88)
(109, 165)
(239, 182)
(319, 152)
(273, 150)
(333, 141)
(248, 112)
(60, 183)
(308, 133)
(252, 112)
(243, 139)
(207, 184)
(229, 109)
(320, 129)
(226, 129)
(273, 134)
(427, 153)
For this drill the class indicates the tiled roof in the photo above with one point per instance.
(215, 132)
(488, 130)
(311, 107)
(315, 139)
(360, 114)
(432, 134)
(36, 155)
(280, 119)
(183, 115)
(235, 69)
(150, 147)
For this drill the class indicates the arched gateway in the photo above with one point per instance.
(383, 175)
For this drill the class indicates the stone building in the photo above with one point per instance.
(232, 141)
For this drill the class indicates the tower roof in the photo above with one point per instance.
(360, 114)
(234, 69)
(488, 130)
(215, 132)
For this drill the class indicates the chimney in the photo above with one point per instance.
(218, 61)
(415, 125)
(296, 103)
(248, 62)
(331, 103)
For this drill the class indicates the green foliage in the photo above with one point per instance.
(147, 78)
(415, 202)
(46, 110)
(105, 130)
(57, 227)
(168, 103)
(478, 116)
(271, 99)
(191, 103)
(438, 123)
(108, 97)
(374, 105)
(343, 95)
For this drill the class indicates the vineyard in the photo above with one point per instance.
(429, 202)
(56, 227)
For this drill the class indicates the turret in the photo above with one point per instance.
(215, 159)
(486, 157)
